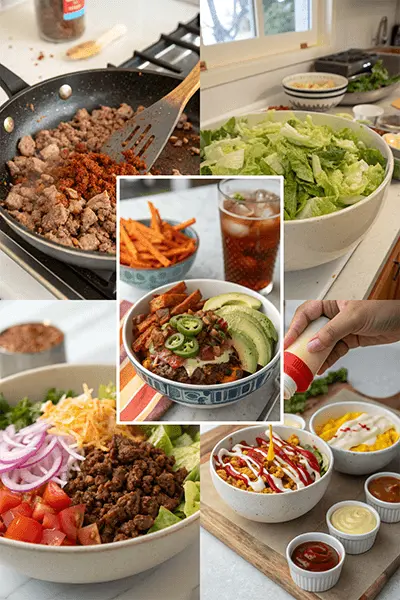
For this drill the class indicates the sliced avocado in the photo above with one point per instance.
(264, 321)
(247, 324)
(232, 298)
(246, 349)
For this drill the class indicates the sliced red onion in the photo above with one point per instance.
(30, 449)
(69, 450)
(8, 440)
(37, 427)
(27, 487)
(44, 451)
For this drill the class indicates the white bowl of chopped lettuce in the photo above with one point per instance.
(336, 171)
(171, 531)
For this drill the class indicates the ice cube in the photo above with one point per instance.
(234, 228)
(242, 209)
(260, 195)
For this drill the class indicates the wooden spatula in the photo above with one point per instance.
(93, 47)
(148, 131)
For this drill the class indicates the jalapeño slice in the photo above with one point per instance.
(190, 348)
(189, 325)
(175, 341)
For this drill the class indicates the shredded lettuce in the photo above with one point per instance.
(183, 443)
(325, 170)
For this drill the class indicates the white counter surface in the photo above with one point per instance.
(202, 204)
(20, 46)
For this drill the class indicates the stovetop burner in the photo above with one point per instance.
(176, 52)
(347, 63)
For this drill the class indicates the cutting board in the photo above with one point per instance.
(263, 545)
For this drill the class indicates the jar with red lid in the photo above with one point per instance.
(60, 20)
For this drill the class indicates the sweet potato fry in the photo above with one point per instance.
(166, 301)
(179, 288)
(183, 225)
(149, 246)
(163, 315)
(148, 234)
(130, 246)
(140, 342)
(189, 302)
(149, 320)
(155, 218)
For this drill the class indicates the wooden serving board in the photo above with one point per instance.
(263, 545)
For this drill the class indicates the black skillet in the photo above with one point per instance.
(46, 104)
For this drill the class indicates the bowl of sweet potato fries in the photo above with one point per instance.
(154, 251)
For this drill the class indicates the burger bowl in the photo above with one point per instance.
(203, 396)
(271, 508)
(149, 278)
(86, 564)
(357, 463)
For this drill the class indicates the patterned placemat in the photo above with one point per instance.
(137, 400)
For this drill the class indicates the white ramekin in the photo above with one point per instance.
(294, 419)
(389, 512)
(307, 580)
(354, 543)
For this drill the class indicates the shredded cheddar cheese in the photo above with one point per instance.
(91, 421)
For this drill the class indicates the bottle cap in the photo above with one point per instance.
(298, 371)
(289, 386)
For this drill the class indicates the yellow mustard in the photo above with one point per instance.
(353, 519)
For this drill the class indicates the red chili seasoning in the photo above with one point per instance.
(315, 557)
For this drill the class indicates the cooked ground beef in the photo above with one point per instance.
(124, 488)
(205, 375)
(60, 174)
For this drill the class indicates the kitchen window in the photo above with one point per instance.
(243, 30)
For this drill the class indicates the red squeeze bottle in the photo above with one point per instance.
(299, 365)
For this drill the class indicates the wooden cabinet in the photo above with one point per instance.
(387, 286)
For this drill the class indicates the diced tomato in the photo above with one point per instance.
(55, 497)
(51, 521)
(21, 509)
(8, 500)
(89, 535)
(68, 542)
(71, 520)
(52, 537)
(40, 510)
(24, 529)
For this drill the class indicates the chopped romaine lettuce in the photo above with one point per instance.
(165, 518)
(325, 170)
(192, 497)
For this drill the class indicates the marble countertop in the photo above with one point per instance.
(181, 205)
(79, 320)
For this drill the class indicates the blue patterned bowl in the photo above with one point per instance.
(148, 279)
(204, 396)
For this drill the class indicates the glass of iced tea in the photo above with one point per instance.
(249, 212)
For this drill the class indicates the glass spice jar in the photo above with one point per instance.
(60, 20)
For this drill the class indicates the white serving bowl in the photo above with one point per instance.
(313, 99)
(271, 508)
(354, 543)
(318, 240)
(86, 564)
(314, 581)
(357, 463)
(204, 396)
(389, 512)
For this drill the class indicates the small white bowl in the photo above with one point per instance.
(271, 508)
(367, 112)
(294, 421)
(389, 512)
(354, 543)
(357, 463)
(308, 580)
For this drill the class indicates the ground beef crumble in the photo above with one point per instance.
(60, 174)
(124, 488)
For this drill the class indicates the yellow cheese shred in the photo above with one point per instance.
(91, 421)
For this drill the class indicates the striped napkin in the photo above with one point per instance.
(137, 400)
